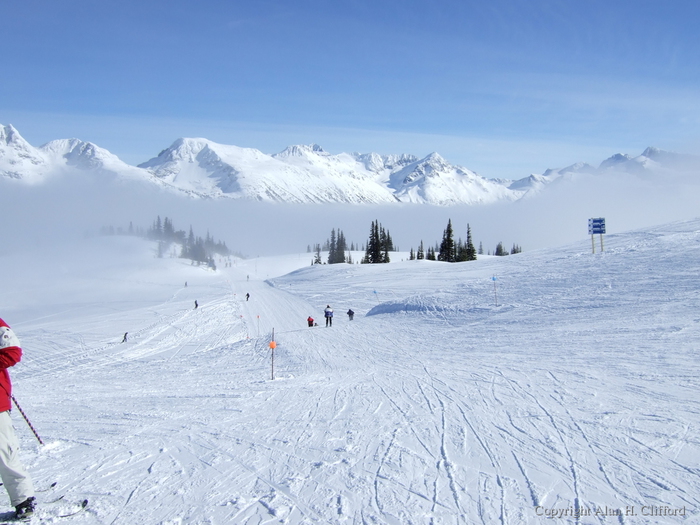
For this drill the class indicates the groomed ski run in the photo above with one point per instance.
(576, 394)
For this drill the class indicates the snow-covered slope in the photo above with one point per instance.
(571, 391)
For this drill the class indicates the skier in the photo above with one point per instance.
(196, 305)
(16, 480)
(125, 334)
(350, 314)
(247, 296)
(328, 312)
(310, 320)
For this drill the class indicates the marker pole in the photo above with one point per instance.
(273, 345)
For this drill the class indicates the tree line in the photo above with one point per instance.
(199, 250)
(380, 244)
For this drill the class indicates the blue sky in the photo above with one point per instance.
(505, 88)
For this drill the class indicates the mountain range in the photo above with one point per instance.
(201, 168)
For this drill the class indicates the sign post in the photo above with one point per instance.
(596, 226)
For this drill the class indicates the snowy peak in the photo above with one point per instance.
(83, 155)
(652, 159)
(615, 160)
(182, 150)
(301, 151)
(431, 166)
(11, 137)
(21, 161)
(377, 163)
(18, 158)
(433, 180)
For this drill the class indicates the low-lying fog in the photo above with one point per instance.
(67, 208)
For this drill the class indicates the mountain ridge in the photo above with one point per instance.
(305, 173)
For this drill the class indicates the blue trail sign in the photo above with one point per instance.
(596, 226)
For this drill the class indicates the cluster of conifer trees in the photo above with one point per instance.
(336, 247)
(197, 249)
(380, 244)
(449, 250)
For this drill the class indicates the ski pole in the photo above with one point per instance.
(26, 419)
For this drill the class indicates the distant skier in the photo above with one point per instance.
(328, 313)
(351, 314)
(15, 479)
(125, 334)
(247, 296)
(196, 305)
(185, 284)
(310, 320)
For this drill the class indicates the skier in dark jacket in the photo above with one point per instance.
(15, 479)
(328, 313)
(351, 314)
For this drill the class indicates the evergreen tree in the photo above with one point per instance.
(500, 250)
(158, 229)
(421, 253)
(168, 230)
(317, 257)
(481, 248)
(190, 240)
(470, 250)
(411, 255)
(332, 248)
(447, 246)
(378, 246)
(341, 247)
(337, 247)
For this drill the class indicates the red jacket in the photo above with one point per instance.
(10, 355)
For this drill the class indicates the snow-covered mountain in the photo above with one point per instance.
(435, 181)
(305, 173)
(20, 160)
(300, 174)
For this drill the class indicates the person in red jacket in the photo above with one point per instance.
(15, 478)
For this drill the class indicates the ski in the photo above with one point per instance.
(53, 485)
(83, 504)
(6, 519)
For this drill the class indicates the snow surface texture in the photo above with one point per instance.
(201, 168)
(572, 386)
